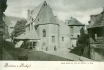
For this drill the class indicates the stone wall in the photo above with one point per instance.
(97, 52)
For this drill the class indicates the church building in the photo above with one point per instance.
(49, 31)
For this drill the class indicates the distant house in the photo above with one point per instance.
(74, 26)
(96, 33)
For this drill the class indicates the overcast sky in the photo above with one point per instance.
(63, 9)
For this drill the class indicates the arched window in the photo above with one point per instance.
(62, 38)
(44, 33)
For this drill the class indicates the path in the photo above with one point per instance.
(65, 53)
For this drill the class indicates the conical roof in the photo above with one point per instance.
(75, 22)
(43, 14)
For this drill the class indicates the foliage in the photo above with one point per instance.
(19, 28)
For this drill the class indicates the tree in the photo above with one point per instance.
(3, 7)
(19, 28)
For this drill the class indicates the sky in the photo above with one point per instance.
(63, 9)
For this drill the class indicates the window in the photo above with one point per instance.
(53, 38)
(32, 26)
(31, 44)
(62, 38)
(34, 44)
(44, 33)
(77, 36)
(71, 29)
(71, 35)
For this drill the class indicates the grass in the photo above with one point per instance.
(32, 55)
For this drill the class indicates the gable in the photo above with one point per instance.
(44, 14)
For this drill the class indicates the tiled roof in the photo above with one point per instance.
(75, 22)
(32, 35)
(99, 21)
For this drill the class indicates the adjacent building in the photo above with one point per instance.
(96, 34)
(74, 27)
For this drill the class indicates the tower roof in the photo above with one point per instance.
(75, 22)
(43, 13)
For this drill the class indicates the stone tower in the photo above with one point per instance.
(46, 27)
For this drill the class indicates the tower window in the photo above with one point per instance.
(53, 38)
(62, 38)
(44, 33)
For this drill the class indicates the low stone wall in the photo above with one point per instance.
(97, 52)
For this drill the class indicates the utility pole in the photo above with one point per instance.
(3, 6)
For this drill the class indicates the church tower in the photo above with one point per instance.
(46, 27)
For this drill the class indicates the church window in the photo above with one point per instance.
(53, 38)
(44, 33)
(62, 38)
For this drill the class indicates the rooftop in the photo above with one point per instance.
(98, 20)
(75, 22)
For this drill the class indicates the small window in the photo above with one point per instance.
(53, 38)
(71, 35)
(44, 33)
(62, 38)
(71, 27)
(30, 43)
(77, 36)
(34, 44)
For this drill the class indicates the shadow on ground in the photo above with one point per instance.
(77, 50)
(32, 55)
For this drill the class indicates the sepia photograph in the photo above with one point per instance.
(52, 30)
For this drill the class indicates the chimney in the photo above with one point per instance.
(28, 15)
